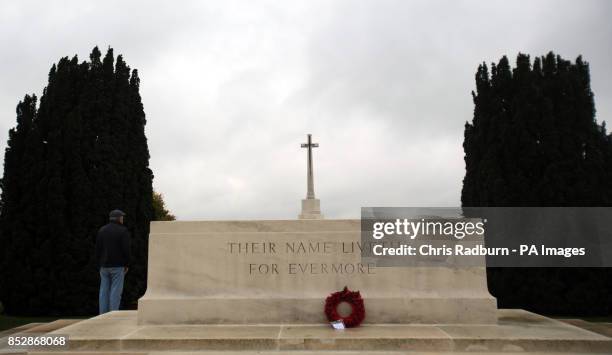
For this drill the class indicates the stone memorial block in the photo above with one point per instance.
(281, 271)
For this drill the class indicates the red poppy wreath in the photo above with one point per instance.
(353, 298)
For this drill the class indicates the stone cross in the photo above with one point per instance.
(310, 187)
(311, 206)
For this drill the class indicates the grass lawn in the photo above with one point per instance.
(8, 322)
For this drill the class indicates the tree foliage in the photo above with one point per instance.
(160, 212)
(534, 142)
(82, 153)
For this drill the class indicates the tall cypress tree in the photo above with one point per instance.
(82, 153)
(17, 159)
(534, 142)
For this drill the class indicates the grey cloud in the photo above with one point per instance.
(231, 88)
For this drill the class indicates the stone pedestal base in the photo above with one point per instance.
(311, 209)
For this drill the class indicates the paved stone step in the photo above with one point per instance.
(51, 326)
(31, 329)
(21, 328)
(516, 331)
(603, 328)
(297, 352)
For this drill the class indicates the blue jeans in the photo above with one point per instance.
(111, 287)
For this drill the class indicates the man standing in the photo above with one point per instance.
(113, 256)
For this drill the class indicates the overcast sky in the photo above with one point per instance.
(231, 89)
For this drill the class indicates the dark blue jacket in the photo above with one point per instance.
(113, 245)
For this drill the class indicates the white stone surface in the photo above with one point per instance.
(517, 332)
(270, 272)
(311, 209)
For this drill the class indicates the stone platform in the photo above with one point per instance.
(517, 331)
